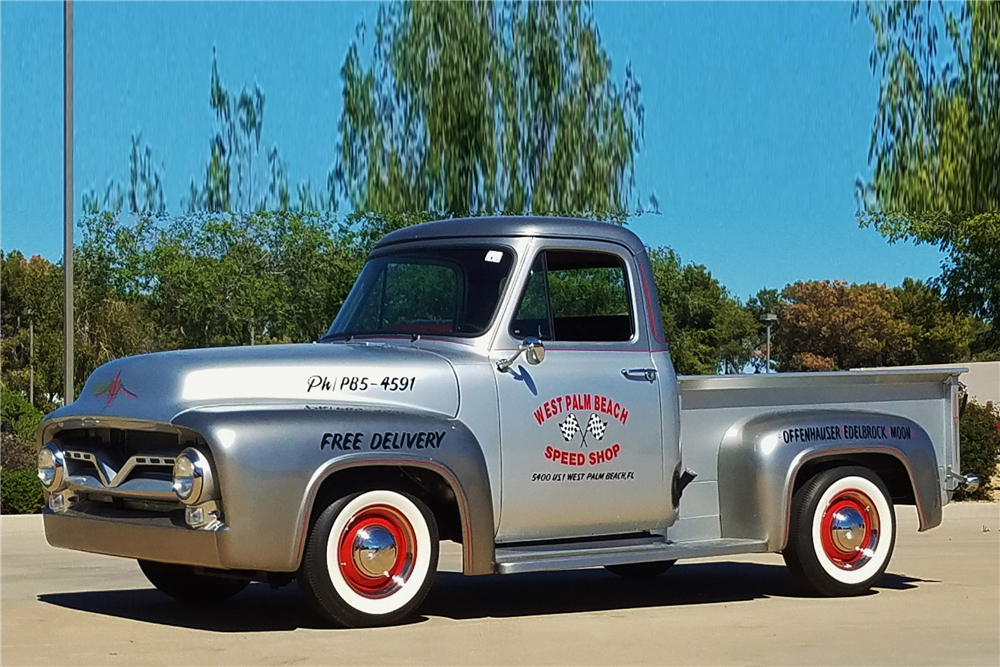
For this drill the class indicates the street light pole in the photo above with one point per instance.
(68, 320)
(30, 314)
(768, 347)
(768, 319)
(31, 360)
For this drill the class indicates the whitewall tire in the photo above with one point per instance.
(370, 559)
(842, 532)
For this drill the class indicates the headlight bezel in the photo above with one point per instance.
(56, 462)
(194, 483)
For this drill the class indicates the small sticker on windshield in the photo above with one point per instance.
(494, 256)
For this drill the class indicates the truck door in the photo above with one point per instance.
(581, 451)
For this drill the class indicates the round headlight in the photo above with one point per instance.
(192, 477)
(184, 477)
(51, 468)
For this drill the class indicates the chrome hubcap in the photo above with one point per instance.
(374, 551)
(848, 529)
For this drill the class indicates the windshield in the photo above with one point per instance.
(439, 291)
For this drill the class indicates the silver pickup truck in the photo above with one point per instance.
(504, 383)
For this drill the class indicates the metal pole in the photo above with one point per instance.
(68, 320)
(768, 347)
(31, 361)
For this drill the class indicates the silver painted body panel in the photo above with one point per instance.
(732, 430)
(168, 383)
(270, 416)
(554, 498)
(541, 558)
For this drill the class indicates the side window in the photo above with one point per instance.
(576, 296)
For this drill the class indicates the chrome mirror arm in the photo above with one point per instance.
(531, 347)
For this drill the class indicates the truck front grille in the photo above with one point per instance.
(124, 468)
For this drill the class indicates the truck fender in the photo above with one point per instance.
(271, 462)
(468, 482)
(759, 460)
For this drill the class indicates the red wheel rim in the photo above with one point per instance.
(376, 551)
(849, 529)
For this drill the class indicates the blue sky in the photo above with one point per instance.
(757, 119)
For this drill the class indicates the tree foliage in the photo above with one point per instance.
(979, 434)
(144, 192)
(935, 142)
(229, 279)
(229, 180)
(477, 108)
(17, 416)
(825, 326)
(31, 290)
(708, 330)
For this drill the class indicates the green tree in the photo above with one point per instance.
(242, 280)
(475, 108)
(825, 325)
(979, 433)
(940, 335)
(229, 183)
(31, 290)
(109, 323)
(935, 143)
(767, 300)
(144, 192)
(708, 331)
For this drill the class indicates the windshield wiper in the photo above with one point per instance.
(346, 335)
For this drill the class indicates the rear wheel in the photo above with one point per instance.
(370, 559)
(842, 532)
(640, 570)
(181, 582)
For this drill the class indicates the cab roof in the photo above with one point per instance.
(514, 226)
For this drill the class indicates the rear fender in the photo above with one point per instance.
(760, 459)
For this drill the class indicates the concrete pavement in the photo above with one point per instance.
(938, 604)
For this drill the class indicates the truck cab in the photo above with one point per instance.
(601, 408)
(504, 383)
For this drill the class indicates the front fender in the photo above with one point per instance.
(271, 460)
(760, 458)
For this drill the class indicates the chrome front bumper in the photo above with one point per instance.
(152, 538)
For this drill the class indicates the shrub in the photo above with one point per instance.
(16, 454)
(20, 491)
(979, 430)
(18, 416)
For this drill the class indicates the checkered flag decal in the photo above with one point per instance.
(596, 427)
(569, 427)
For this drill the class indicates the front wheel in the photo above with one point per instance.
(181, 582)
(842, 532)
(370, 559)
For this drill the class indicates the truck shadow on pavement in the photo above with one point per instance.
(458, 597)
(453, 596)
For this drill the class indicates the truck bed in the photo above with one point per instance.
(711, 405)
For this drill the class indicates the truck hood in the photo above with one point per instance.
(159, 386)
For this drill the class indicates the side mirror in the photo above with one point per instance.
(532, 349)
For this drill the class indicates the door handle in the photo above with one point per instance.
(647, 374)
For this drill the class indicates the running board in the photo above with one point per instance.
(547, 557)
